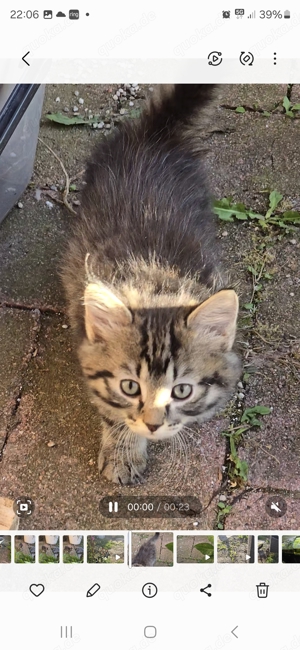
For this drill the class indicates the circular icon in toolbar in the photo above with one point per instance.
(149, 590)
(246, 58)
(276, 506)
(215, 58)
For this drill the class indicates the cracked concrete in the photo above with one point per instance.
(49, 432)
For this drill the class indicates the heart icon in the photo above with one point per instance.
(36, 590)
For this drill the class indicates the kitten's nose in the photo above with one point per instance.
(152, 427)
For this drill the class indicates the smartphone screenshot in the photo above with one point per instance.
(149, 326)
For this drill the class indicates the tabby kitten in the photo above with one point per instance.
(154, 320)
(147, 553)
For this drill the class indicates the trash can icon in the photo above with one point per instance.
(262, 590)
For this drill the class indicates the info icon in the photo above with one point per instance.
(74, 14)
(149, 590)
(276, 507)
(23, 506)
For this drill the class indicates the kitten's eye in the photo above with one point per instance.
(181, 391)
(131, 388)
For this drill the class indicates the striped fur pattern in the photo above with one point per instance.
(151, 311)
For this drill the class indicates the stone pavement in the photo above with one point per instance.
(186, 551)
(49, 433)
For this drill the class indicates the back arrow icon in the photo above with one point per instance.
(232, 631)
(24, 57)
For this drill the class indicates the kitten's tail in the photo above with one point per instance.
(156, 536)
(175, 106)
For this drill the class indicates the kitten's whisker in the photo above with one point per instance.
(165, 476)
(130, 449)
(173, 459)
(120, 448)
(192, 434)
(186, 452)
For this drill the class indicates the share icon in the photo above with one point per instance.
(203, 590)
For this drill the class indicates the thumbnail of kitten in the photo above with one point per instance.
(154, 316)
(147, 554)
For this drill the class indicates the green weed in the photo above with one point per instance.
(289, 108)
(223, 511)
(229, 211)
(238, 468)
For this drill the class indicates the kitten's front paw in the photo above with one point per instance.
(122, 474)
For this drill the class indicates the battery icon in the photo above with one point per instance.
(287, 14)
(113, 506)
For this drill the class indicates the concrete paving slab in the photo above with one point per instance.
(281, 298)
(264, 97)
(15, 336)
(273, 451)
(249, 154)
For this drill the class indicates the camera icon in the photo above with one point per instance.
(226, 14)
(23, 506)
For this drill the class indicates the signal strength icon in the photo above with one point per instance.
(252, 15)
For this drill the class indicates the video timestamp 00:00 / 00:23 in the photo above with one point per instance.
(150, 506)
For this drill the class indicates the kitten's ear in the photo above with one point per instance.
(216, 318)
(104, 312)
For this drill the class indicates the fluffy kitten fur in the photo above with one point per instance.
(154, 320)
(147, 553)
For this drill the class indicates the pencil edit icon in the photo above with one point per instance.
(93, 590)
